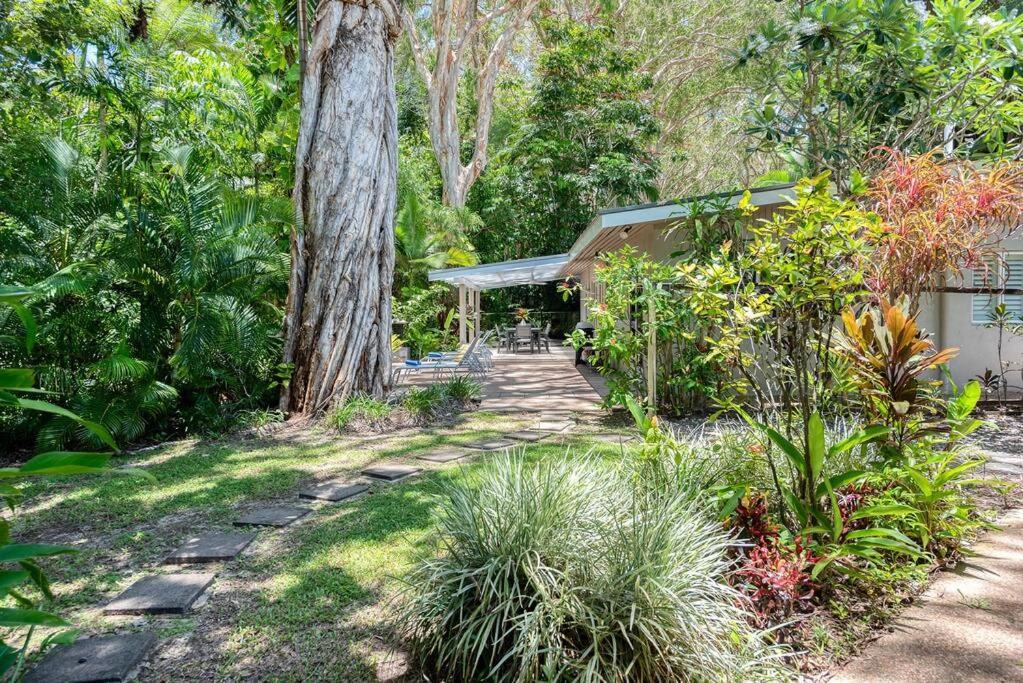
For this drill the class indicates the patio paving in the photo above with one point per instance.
(539, 382)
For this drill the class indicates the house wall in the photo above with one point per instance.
(947, 316)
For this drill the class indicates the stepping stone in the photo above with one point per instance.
(210, 548)
(527, 435)
(105, 658)
(334, 491)
(161, 594)
(275, 516)
(443, 455)
(490, 444)
(545, 426)
(391, 472)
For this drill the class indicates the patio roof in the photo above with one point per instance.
(527, 271)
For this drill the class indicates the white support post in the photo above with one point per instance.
(477, 314)
(651, 355)
(463, 332)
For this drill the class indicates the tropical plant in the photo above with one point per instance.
(889, 355)
(771, 306)
(937, 217)
(1001, 319)
(15, 385)
(463, 389)
(932, 478)
(838, 78)
(583, 142)
(428, 236)
(177, 291)
(422, 403)
(564, 570)
(358, 409)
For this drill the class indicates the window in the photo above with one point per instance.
(1008, 274)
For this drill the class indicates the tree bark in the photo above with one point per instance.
(338, 324)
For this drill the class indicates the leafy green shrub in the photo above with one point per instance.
(567, 570)
(20, 561)
(463, 389)
(356, 409)
(423, 402)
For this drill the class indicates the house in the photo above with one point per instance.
(957, 316)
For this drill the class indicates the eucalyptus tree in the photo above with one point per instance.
(449, 39)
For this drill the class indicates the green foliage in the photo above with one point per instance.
(357, 409)
(422, 403)
(566, 570)
(462, 389)
(20, 560)
(159, 288)
(837, 79)
(428, 319)
(584, 145)
(770, 305)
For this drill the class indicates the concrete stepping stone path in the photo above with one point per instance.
(391, 472)
(272, 516)
(334, 491)
(551, 426)
(210, 548)
(490, 444)
(104, 658)
(527, 435)
(161, 594)
(443, 455)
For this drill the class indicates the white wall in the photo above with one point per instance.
(977, 344)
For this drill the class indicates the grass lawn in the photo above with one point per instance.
(307, 602)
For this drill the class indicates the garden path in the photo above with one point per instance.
(118, 656)
(968, 626)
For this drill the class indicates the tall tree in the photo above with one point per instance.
(586, 143)
(338, 324)
(455, 30)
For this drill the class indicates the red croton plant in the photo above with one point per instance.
(937, 217)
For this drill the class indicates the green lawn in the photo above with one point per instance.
(306, 602)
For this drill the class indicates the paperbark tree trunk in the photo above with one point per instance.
(338, 324)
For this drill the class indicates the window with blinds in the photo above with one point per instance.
(1007, 274)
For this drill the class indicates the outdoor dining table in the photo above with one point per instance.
(534, 341)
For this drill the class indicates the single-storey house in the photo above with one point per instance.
(954, 318)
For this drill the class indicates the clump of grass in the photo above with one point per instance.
(358, 409)
(463, 389)
(422, 403)
(571, 570)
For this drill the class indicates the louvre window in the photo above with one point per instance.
(1008, 274)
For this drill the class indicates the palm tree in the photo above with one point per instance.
(429, 235)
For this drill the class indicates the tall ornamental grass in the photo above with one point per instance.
(567, 569)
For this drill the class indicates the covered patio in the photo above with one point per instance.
(471, 281)
(522, 382)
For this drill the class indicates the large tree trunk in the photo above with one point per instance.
(338, 324)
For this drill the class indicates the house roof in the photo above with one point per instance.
(527, 271)
(649, 213)
(596, 236)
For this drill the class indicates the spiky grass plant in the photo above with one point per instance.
(463, 389)
(567, 569)
(358, 409)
